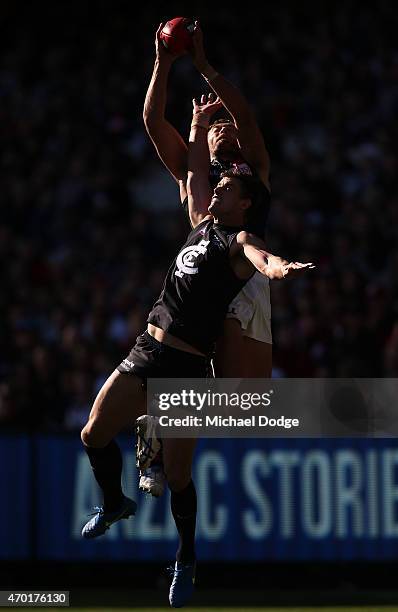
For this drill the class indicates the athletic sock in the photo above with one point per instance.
(107, 467)
(183, 508)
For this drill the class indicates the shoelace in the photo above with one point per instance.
(147, 452)
(97, 510)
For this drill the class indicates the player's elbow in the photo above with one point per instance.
(151, 119)
(265, 270)
(190, 182)
(146, 116)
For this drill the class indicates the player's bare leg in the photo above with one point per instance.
(120, 401)
(177, 461)
(258, 358)
(238, 356)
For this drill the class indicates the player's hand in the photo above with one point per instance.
(279, 268)
(294, 269)
(162, 54)
(198, 53)
(207, 105)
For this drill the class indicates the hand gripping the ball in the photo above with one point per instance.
(162, 54)
(176, 35)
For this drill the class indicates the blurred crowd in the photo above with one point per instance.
(89, 219)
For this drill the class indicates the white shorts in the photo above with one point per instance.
(252, 308)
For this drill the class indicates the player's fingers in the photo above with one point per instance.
(203, 99)
(211, 97)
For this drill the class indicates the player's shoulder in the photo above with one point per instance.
(243, 237)
(205, 223)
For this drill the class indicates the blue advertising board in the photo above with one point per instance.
(275, 499)
(15, 494)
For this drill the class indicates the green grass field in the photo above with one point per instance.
(124, 600)
(239, 609)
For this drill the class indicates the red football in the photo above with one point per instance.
(176, 35)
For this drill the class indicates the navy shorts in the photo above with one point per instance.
(152, 359)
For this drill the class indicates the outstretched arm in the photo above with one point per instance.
(169, 144)
(198, 186)
(250, 137)
(253, 251)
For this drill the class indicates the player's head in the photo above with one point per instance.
(234, 198)
(222, 138)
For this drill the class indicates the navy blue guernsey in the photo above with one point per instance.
(257, 225)
(199, 286)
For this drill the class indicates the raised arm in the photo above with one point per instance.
(250, 137)
(198, 186)
(168, 143)
(253, 251)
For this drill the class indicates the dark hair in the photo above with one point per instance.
(248, 184)
(250, 188)
(221, 121)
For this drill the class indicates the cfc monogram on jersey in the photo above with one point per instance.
(187, 259)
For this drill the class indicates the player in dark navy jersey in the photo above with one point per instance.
(217, 253)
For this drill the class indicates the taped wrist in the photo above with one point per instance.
(200, 120)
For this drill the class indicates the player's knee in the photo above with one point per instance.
(178, 480)
(92, 436)
(85, 435)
